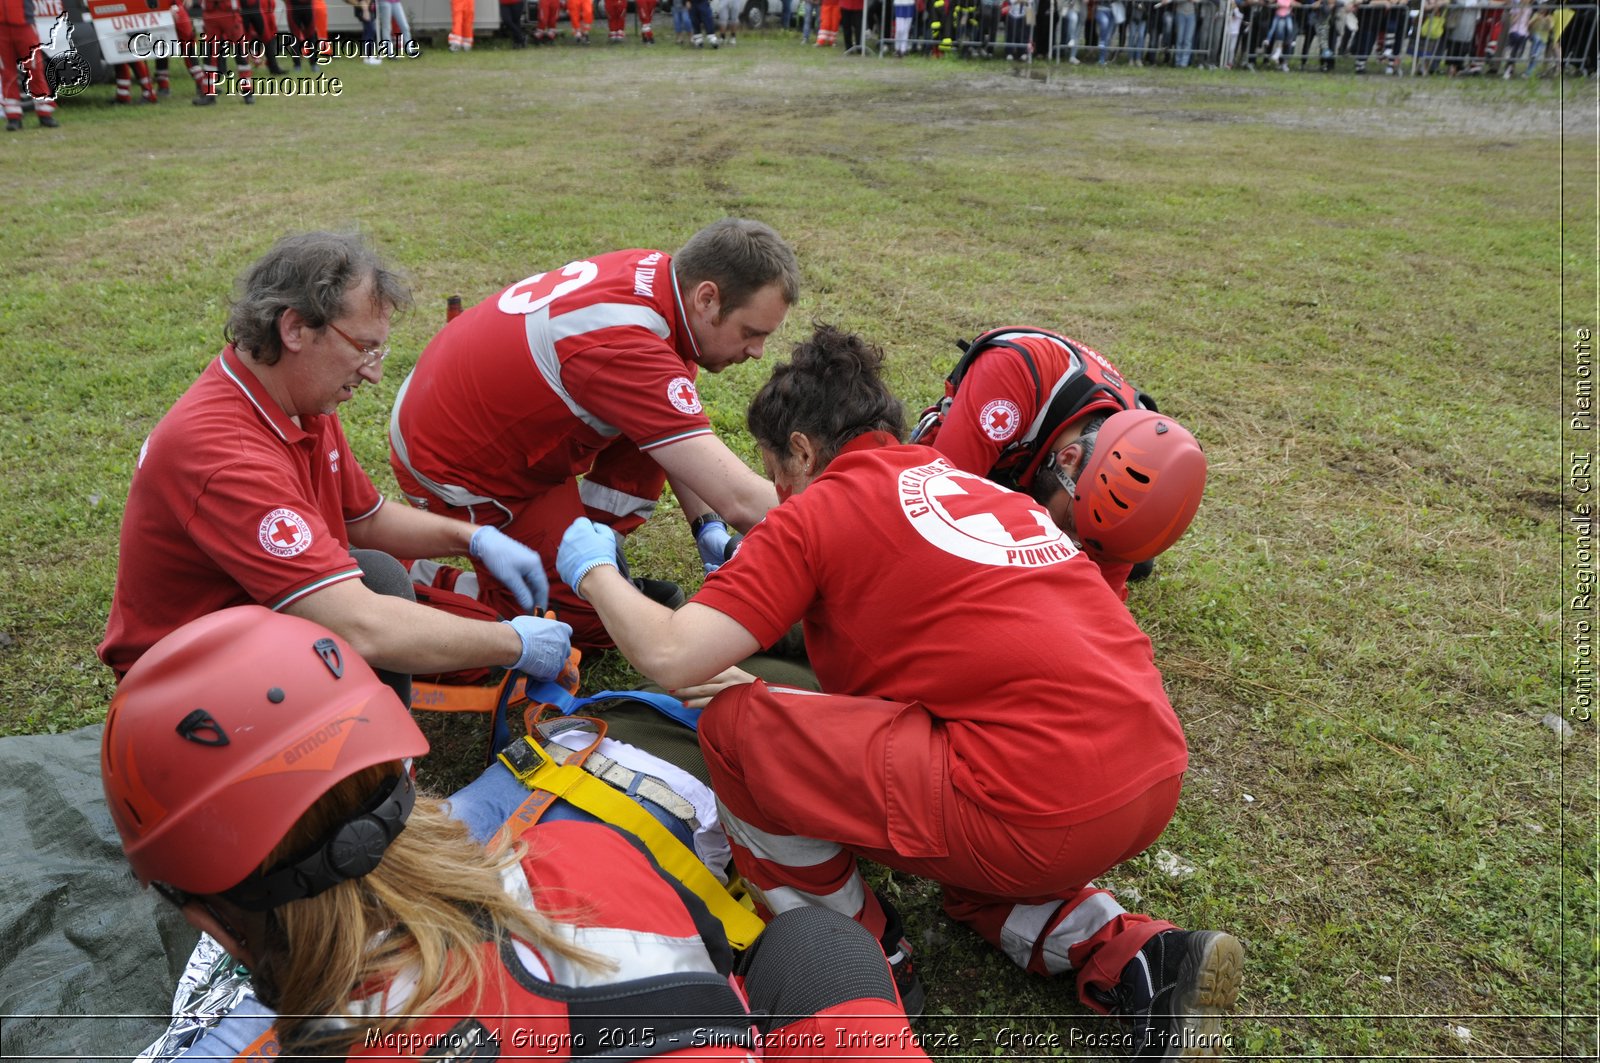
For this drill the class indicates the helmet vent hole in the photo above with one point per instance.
(1137, 475)
(133, 813)
(1120, 503)
(202, 728)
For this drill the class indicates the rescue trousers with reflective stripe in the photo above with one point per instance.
(619, 490)
(807, 783)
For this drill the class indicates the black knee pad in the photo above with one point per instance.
(809, 959)
(382, 574)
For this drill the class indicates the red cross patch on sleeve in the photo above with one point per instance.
(683, 396)
(284, 533)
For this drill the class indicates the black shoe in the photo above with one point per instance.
(249, 97)
(663, 591)
(1142, 571)
(1175, 991)
(898, 952)
(13, 125)
(204, 101)
(48, 121)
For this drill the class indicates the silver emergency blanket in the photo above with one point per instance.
(211, 986)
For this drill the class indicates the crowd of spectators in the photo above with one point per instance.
(1453, 37)
(1498, 38)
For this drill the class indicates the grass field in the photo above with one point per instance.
(1352, 290)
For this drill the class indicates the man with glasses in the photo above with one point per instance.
(247, 490)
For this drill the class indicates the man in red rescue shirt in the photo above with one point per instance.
(589, 369)
(247, 491)
(1042, 413)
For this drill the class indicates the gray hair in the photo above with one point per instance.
(740, 257)
(310, 273)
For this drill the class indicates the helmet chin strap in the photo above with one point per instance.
(1069, 483)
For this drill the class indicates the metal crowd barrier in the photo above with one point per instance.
(1394, 37)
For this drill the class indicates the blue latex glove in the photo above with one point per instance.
(513, 564)
(546, 645)
(712, 540)
(585, 546)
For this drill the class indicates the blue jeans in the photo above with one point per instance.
(1105, 27)
(1185, 34)
(1135, 41)
(700, 15)
(392, 16)
(1282, 29)
(1069, 33)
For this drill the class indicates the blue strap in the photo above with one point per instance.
(551, 693)
(665, 704)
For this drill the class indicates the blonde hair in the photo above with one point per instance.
(426, 909)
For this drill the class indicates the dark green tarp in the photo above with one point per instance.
(88, 960)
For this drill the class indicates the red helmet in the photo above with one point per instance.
(1140, 487)
(226, 731)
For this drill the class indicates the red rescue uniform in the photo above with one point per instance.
(582, 370)
(992, 716)
(540, 1006)
(232, 503)
(998, 402)
(19, 44)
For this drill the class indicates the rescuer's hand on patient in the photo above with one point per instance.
(513, 564)
(546, 645)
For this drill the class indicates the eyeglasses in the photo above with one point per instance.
(370, 356)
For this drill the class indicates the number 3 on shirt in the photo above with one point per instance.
(524, 298)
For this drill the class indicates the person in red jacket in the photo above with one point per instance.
(589, 370)
(1043, 413)
(124, 76)
(247, 490)
(223, 29)
(19, 46)
(852, 16)
(184, 26)
(991, 716)
(617, 21)
(257, 773)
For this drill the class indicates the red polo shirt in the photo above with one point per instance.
(232, 503)
(521, 392)
(919, 582)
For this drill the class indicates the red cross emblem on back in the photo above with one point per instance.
(284, 533)
(1000, 421)
(1015, 512)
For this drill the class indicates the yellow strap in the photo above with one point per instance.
(596, 798)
